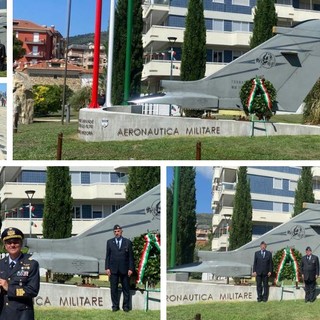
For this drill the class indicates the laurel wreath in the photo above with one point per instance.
(258, 105)
(288, 272)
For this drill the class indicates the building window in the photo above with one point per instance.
(240, 26)
(217, 25)
(218, 56)
(277, 183)
(86, 211)
(241, 2)
(218, 1)
(85, 177)
(278, 206)
(116, 207)
(96, 212)
(33, 176)
(292, 185)
(35, 50)
(76, 212)
(36, 37)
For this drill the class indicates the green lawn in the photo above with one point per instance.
(38, 141)
(272, 310)
(46, 313)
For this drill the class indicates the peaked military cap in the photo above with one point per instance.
(12, 233)
(116, 226)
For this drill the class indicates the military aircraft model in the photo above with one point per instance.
(290, 61)
(85, 253)
(301, 231)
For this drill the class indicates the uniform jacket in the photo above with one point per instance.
(262, 265)
(24, 285)
(310, 268)
(119, 260)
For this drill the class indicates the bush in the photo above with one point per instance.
(311, 112)
(48, 98)
(80, 99)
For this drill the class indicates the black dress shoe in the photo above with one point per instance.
(126, 310)
(115, 309)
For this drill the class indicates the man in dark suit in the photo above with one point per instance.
(119, 265)
(310, 273)
(262, 270)
(19, 279)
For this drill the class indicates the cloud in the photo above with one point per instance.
(205, 172)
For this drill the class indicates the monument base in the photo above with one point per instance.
(71, 296)
(101, 125)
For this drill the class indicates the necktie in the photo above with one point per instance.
(12, 264)
(118, 244)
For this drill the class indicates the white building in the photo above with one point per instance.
(272, 196)
(229, 25)
(96, 193)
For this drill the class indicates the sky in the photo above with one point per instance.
(203, 187)
(3, 87)
(55, 12)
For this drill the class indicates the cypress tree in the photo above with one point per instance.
(241, 224)
(57, 216)
(304, 191)
(265, 18)
(193, 60)
(186, 233)
(141, 180)
(169, 221)
(119, 54)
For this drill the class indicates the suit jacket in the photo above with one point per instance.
(119, 260)
(310, 268)
(262, 265)
(24, 285)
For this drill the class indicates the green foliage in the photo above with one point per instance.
(141, 180)
(169, 221)
(259, 107)
(265, 18)
(241, 225)
(18, 51)
(57, 216)
(48, 98)
(304, 191)
(186, 228)
(80, 98)
(311, 112)
(152, 271)
(288, 271)
(193, 60)
(120, 31)
(87, 38)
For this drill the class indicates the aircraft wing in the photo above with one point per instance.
(218, 268)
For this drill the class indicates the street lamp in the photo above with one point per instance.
(227, 218)
(172, 40)
(30, 194)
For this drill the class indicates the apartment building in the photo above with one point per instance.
(96, 192)
(40, 42)
(272, 195)
(229, 25)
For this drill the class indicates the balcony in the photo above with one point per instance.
(34, 42)
(38, 55)
(290, 14)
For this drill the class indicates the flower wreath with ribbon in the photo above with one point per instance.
(257, 97)
(289, 257)
(150, 241)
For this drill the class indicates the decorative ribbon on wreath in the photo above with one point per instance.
(256, 84)
(288, 254)
(150, 241)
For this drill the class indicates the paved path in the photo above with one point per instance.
(3, 133)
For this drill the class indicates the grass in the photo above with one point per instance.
(38, 141)
(279, 310)
(49, 313)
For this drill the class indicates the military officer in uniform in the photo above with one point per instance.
(310, 273)
(19, 279)
(119, 265)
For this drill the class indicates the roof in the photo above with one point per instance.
(29, 25)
